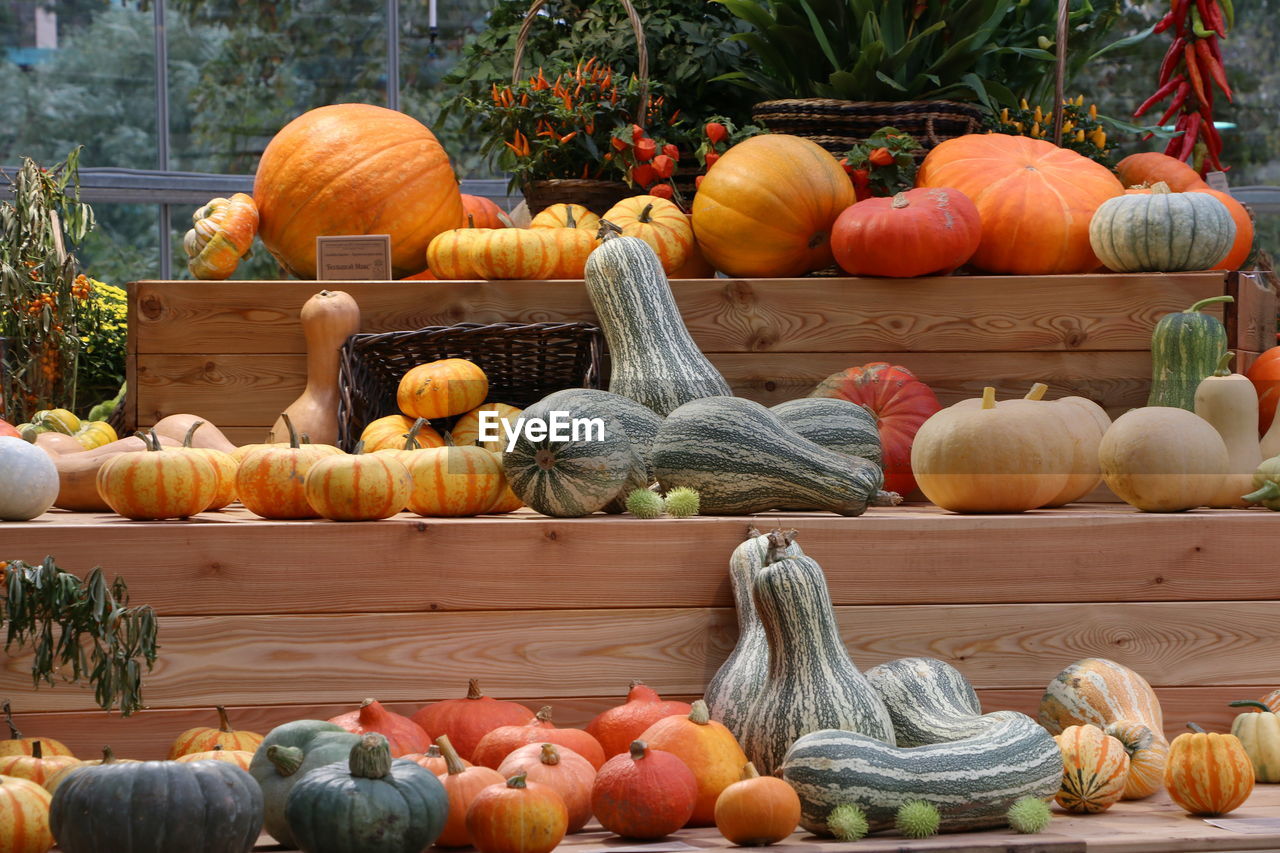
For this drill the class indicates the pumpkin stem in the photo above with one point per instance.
(1211, 300)
(778, 542)
(550, 755)
(753, 532)
(473, 684)
(217, 747)
(607, 231)
(646, 215)
(294, 441)
(451, 758)
(883, 498)
(1269, 492)
(14, 734)
(108, 757)
(701, 714)
(358, 449)
(639, 749)
(224, 723)
(749, 771)
(191, 431)
(900, 201)
(518, 780)
(1160, 188)
(569, 220)
(1223, 361)
(988, 397)
(1195, 728)
(37, 749)
(411, 443)
(1036, 392)
(433, 751)
(1250, 703)
(286, 759)
(371, 757)
(543, 716)
(635, 682)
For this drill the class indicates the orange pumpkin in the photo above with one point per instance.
(442, 388)
(482, 212)
(464, 721)
(1243, 244)
(466, 430)
(205, 738)
(517, 817)
(450, 255)
(462, 782)
(917, 232)
(158, 483)
(658, 222)
(571, 247)
(757, 810)
(696, 265)
(224, 468)
(37, 767)
(1094, 768)
(1272, 701)
(403, 735)
(560, 768)
(392, 433)
(708, 748)
(567, 216)
(1208, 773)
(645, 793)
(454, 481)
(222, 233)
(24, 816)
(1148, 752)
(432, 760)
(271, 480)
(16, 744)
(514, 253)
(239, 757)
(617, 727)
(502, 741)
(358, 487)
(1152, 167)
(354, 169)
(767, 206)
(1034, 198)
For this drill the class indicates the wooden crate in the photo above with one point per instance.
(233, 352)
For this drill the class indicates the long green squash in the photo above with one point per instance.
(835, 424)
(652, 357)
(737, 682)
(1185, 348)
(811, 684)
(740, 458)
(929, 700)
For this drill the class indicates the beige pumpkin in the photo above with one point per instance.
(1163, 459)
(1229, 402)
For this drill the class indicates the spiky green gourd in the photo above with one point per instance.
(1161, 231)
(917, 819)
(682, 502)
(643, 503)
(1185, 348)
(847, 822)
(833, 423)
(1029, 815)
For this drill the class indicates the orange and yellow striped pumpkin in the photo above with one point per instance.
(24, 816)
(36, 767)
(514, 253)
(1271, 700)
(222, 233)
(571, 246)
(157, 483)
(455, 481)
(391, 433)
(449, 256)
(224, 468)
(271, 480)
(658, 222)
(1208, 773)
(239, 757)
(16, 744)
(442, 388)
(567, 216)
(1094, 767)
(466, 431)
(358, 487)
(205, 738)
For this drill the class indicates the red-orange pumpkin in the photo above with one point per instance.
(617, 727)
(482, 212)
(644, 793)
(432, 760)
(501, 742)
(462, 782)
(917, 232)
(1265, 376)
(757, 810)
(205, 738)
(1152, 167)
(708, 748)
(402, 734)
(354, 169)
(767, 206)
(560, 768)
(1034, 198)
(467, 720)
(518, 817)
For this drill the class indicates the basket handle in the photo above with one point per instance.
(642, 69)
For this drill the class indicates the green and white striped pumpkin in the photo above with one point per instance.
(653, 359)
(1161, 231)
(741, 459)
(811, 684)
(929, 701)
(737, 682)
(1185, 348)
(835, 424)
(568, 478)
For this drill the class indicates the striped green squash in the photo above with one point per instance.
(737, 682)
(741, 459)
(571, 478)
(836, 424)
(652, 357)
(929, 700)
(1161, 231)
(1185, 348)
(811, 683)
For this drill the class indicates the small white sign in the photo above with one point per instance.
(357, 257)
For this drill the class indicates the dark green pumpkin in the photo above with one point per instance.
(288, 753)
(367, 804)
(1185, 348)
(157, 807)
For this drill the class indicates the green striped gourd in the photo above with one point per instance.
(1185, 348)
(741, 459)
(835, 424)
(928, 700)
(1161, 231)
(653, 359)
(573, 477)
(811, 684)
(737, 682)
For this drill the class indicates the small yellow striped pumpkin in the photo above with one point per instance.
(466, 431)
(205, 738)
(36, 767)
(157, 483)
(108, 757)
(567, 216)
(1208, 773)
(24, 816)
(271, 480)
(358, 487)
(390, 433)
(239, 757)
(455, 481)
(442, 388)
(658, 222)
(1094, 767)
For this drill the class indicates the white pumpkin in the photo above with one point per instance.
(28, 480)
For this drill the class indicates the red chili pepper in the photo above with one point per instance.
(1176, 104)
(1193, 72)
(1175, 142)
(1214, 67)
(1159, 95)
(880, 157)
(1180, 14)
(1165, 23)
(1190, 136)
(1211, 14)
(1171, 59)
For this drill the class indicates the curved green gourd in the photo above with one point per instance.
(1185, 348)
(1161, 231)
(833, 423)
(287, 754)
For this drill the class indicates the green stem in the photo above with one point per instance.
(1196, 728)
(1223, 361)
(1211, 300)
(191, 432)
(1270, 491)
(294, 441)
(1249, 703)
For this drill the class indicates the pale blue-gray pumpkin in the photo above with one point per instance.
(287, 754)
(1161, 231)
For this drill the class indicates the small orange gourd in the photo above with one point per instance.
(403, 735)
(222, 233)
(561, 768)
(328, 318)
(157, 484)
(517, 817)
(397, 433)
(1208, 773)
(205, 738)
(454, 481)
(271, 479)
(358, 487)
(442, 388)
(463, 783)
(1094, 769)
(757, 810)
(432, 759)
(708, 748)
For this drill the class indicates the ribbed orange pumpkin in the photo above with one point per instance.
(1208, 773)
(16, 744)
(37, 766)
(560, 768)
(517, 817)
(223, 465)
(403, 734)
(514, 253)
(571, 247)
(271, 480)
(467, 720)
(658, 222)
(767, 206)
(1272, 701)
(239, 757)
(617, 727)
(158, 483)
(1094, 767)
(482, 212)
(205, 738)
(917, 232)
(502, 741)
(644, 793)
(757, 810)
(454, 481)
(24, 816)
(567, 216)
(432, 760)
(462, 782)
(354, 169)
(708, 748)
(358, 487)
(1035, 200)
(1243, 244)
(1152, 167)
(466, 430)
(438, 389)
(450, 254)
(392, 433)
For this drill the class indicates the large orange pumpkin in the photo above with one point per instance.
(1243, 244)
(1152, 167)
(1034, 198)
(767, 206)
(354, 169)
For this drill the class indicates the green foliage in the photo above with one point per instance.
(884, 163)
(1029, 815)
(682, 502)
(917, 819)
(1082, 129)
(104, 336)
(643, 503)
(848, 822)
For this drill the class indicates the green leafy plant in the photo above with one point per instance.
(86, 627)
(1082, 129)
(883, 164)
(104, 337)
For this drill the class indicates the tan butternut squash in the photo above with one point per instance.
(328, 319)
(1163, 459)
(207, 437)
(56, 442)
(78, 473)
(1271, 441)
(1229, 402)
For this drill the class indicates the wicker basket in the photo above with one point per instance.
(838, 125)
(524, 363)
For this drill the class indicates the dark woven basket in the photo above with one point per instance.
(595, 196)
(838, 125)
(523, 361)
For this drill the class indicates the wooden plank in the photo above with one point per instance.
(958, 313)
(231, 562)
(1251, 322)
(283, 659)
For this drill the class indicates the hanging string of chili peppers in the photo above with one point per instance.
(1191, 69)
